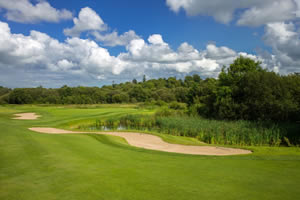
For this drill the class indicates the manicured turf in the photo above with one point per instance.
(41, 166)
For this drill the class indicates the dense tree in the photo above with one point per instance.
(196, 78)
(246, 91)
(4, 90)
(181, 94)
(266, 95)
(20, 96)
(166, 95)
(138, 93)
(4, 94)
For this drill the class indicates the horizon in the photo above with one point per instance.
(139, 80)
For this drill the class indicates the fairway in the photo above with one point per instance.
(90, 166)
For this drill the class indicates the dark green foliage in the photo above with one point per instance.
(181, 94)
(20, 96)
(138, 93)
(265, 95)
(246, 91)
(177, 106)
(4, 92)
(165, 94)
(161, 90)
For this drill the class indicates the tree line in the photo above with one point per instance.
(244, 90)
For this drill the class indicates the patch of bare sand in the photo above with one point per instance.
(26, 116)
(155, 143)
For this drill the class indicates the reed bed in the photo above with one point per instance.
(243, 133)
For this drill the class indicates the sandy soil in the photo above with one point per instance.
(26, 116)
(156, 143)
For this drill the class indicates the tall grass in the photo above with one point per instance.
(209, 131)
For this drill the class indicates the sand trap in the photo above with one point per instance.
(155, 143)
(26, 116)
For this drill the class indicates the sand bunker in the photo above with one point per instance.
(26, 116)
(155, 143)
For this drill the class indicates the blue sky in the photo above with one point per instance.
(120, 40)
(151, 18)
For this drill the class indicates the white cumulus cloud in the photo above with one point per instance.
(38, 50)
(156, 39)
(25, 12)
(275, 11)
(284, 39)
(87, 20)
(76, 58)
(114, 39)
(253, 12)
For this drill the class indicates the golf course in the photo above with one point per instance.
(104, 166)
(150, 100)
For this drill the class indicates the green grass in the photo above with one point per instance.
(41, 166)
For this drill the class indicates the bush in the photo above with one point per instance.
(160, 103)
(177, 106)
(4, 99)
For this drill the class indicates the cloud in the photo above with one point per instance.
(219, 52)
(114, 39)
(156, 39)
(85, 57)
(285, 42)
(278, 16)
(253, 12)
(222, 11)
(85, 61)
(87, 20)
(275, 11)
(24, 11)
(297, 12)
(38, 50)
(157, 55)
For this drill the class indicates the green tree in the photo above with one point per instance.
(20, 96)
(134, 81)
(138, 93)
(196, 78)
(266, 96)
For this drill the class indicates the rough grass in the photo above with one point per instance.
(41, 166)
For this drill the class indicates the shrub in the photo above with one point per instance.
(177, 106)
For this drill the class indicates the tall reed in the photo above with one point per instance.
(209, 131)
